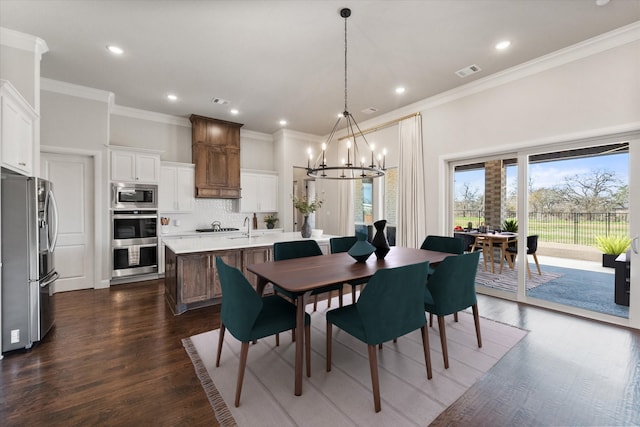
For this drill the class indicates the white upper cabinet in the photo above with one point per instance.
(177, 187)
(17, 139)
(135, 166)
(259, 191)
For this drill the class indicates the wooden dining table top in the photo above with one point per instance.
(306, 274)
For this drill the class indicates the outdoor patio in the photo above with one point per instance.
(573, 282)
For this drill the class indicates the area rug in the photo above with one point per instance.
(343, 396)
(508, 281)
(590, 290)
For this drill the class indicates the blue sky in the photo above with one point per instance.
(550, 174)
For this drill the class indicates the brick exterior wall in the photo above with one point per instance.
(495, 189)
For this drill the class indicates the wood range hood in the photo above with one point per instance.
(215, 151)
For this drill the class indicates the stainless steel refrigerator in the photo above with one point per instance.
(29, 233)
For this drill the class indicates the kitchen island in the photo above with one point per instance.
(191, 280)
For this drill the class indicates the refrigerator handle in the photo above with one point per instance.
(634, 244)
(55, 219)
(52, 278)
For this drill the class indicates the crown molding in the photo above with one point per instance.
(283, 133)
(246, 133)
(152, 116)
(612, 39)
(78, 91)
(23, 41)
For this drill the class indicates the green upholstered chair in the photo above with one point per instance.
(249, 317)
(302, 249)
(452, 288)
(452, 245)
(343, 244)
(390, 306)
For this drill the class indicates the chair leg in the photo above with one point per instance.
(476, 320)
(307, 348)
(380, 346)
(328, 347)
(395, 340)
(455, 316)
(220, 340)
(535, 258)
(340, 294)
(427, 351)
(353, 294)
(443, 342)
(315, 302)
(528, 268)
(244, 351)
(277, 340)
(431, 319)
(375, 382)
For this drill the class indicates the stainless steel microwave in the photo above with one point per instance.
(134, 196)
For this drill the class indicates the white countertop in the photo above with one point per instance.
(206, 244)
(200, 234)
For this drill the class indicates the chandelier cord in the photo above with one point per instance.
(345, 63)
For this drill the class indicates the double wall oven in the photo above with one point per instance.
(134, 219)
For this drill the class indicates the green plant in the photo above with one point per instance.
(613, 245)
(270, 219)
(305, 207)
(510, 225)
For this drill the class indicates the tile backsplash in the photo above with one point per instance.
(206, 211)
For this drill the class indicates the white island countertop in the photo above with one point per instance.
(221, 243)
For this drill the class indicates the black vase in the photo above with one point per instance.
(380, 240)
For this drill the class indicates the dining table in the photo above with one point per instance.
(490, 240)
(300, 276)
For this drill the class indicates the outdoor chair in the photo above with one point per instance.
(343, 244)
(302, 249)
(249, 317)
(452, 288)
(532, 247)
(389, 307)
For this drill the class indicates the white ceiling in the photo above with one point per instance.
(285, 59)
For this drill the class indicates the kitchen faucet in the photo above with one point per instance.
(247, 222)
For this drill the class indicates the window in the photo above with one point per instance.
(376, 198)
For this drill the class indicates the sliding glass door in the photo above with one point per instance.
(566, 202)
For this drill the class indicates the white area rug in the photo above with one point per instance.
(343, 396)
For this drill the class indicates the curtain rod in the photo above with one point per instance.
(382, 126)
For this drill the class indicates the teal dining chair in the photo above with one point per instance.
(343, 244)
(452, 288)
(452, 245)
(302, 249)
(389, 307)
(249, 317)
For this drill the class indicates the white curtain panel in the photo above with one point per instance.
(411, 229)
(345, 208)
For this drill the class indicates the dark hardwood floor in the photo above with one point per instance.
(115, 357)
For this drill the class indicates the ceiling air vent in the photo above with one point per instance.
(467, 71)
(370, 110)
(219, 101)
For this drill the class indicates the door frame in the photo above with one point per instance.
(100, 210)
(522, 152)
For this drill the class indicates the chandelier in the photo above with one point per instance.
(355, 163)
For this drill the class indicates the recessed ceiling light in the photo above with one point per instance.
(602, 2)
(234, 111)
(115, 49)
(400, 90)
(283, 122)
(172, 97)
(503, 45)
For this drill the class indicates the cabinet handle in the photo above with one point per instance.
(22, 164)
